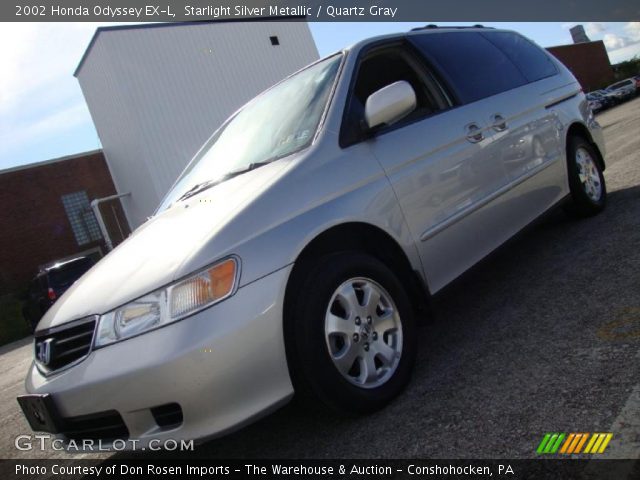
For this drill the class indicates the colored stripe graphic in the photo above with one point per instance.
(596, 446)
(581, 443)
(556, 445)
(571, 447)
(568, 442)
(572, 443)
(598, 443)
(550, 443)
(592, 440)
(605, 443)
(543, 444)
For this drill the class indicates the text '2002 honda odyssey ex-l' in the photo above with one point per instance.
(297, 246)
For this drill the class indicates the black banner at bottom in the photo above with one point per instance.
(584, 469)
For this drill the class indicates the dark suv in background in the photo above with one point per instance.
(49, 284)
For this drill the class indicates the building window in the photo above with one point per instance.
(83, 222)
(274, 40)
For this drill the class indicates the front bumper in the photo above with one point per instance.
(224, 366)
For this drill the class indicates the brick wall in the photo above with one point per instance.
(588, 62)
(34, 227)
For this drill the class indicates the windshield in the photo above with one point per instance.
(281, 121)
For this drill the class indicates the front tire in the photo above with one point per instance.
(586, 180)
(354, 332)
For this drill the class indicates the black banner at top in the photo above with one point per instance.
(315, 10)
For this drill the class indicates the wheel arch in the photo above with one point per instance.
(363, 237)
(578, 129)
(350, 236)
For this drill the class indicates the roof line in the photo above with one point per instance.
(573, 44)
(27, 166)
(176, 24)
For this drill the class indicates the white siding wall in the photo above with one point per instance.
(156, 94)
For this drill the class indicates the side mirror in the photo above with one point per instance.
(389, 104)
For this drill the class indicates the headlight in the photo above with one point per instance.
(169, 304)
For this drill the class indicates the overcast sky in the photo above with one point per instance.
(43, 114)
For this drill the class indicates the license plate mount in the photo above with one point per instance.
(41, 412)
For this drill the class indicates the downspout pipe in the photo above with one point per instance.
(95, 206)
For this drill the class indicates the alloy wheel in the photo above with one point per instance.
(588, 174)
(363, 332)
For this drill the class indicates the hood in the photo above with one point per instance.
(152, 256)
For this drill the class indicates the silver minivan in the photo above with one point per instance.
(301, 245)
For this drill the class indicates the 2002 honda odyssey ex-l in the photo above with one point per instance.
(298, 245)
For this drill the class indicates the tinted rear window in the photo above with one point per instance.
(473, 66)
(530, 59)
(68, 273)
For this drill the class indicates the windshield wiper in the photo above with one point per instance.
(200, 187)
(248, 168)
(197, 188)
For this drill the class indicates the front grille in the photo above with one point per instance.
(96, 426)
(58, 347)
(168, 415)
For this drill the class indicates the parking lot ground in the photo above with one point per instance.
(544, 336)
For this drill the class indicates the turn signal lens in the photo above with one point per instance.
(204, 288)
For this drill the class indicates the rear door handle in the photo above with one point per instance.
(498, 123)
(474, 133)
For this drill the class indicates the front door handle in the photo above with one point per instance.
(499, 124)
(474, 133)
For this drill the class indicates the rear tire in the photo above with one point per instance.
(354, 333)
(586, 180)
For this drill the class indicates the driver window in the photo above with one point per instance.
(378, 70)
